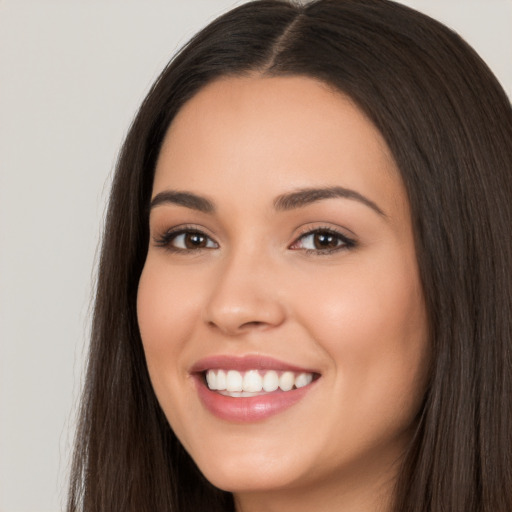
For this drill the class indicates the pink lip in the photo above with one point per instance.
(241, 364)
(246, 409)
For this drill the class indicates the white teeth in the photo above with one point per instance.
(237, 383)
(221, 379)
(233, 381)
(303, 380)
(252, 381)
(211, 379)
(270, 381)
(286, 381)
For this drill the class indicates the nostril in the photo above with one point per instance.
(252, 324)
(241, 326)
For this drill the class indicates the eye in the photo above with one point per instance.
(322, 240)
(186, 240)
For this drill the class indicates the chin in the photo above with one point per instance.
(250, 479)
(249, 471)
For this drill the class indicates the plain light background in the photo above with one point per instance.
(72, 74)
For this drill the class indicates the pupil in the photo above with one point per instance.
(194, 240)
(323, 240)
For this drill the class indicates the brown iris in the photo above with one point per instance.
(324, 240)
(195, 240)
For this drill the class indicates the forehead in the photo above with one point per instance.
(268, 134)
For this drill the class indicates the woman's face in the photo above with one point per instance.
(281, 255)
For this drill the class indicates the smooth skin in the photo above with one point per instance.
(330, 284)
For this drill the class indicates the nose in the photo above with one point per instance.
(245, 296)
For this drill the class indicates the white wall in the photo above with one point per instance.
(72, 73)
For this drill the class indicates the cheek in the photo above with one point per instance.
(371, 323)
(164, 306)
(166, 313)
(368, 306)
(165, 322)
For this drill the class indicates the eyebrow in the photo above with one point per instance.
(289, 201)
(185, 199)
(304, 197)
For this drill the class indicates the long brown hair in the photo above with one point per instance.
(448, 124)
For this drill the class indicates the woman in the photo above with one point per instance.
(304, 294)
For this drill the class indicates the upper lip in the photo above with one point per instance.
(245, 363)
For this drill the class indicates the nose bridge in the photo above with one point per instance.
(244, 294)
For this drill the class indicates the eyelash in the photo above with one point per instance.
(166, 239)
(345, 243)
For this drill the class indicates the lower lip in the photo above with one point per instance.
(249, 409)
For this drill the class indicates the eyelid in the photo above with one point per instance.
(348, 241)
(165, 238)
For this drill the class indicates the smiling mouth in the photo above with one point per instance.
(250, 388)
(254, 382)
